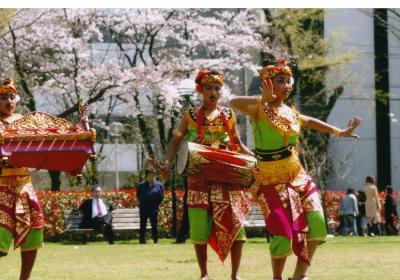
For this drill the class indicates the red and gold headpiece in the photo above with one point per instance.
(271, 71)
(208, 76)
(7, 86)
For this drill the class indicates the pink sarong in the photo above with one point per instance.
(285, 206)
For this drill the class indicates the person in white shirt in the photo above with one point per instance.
(97, 214)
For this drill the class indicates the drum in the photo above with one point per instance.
(216, 165)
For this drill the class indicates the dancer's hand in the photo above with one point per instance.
(244, 150)
(267, 91)
(250, 153)
(348, 131)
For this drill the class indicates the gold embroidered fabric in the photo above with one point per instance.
(20, 209)
(275, 172)
(38, 126)
(214, 127)
(229, 208)
(295, 203)
(262, 202)
(312, 202)
(271, 71)
(6, 219)
(213, 120)
(284, 120)
(197, 198)
(7, 86)
(281, 189)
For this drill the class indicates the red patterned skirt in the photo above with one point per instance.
(227, 205)
(20, 210)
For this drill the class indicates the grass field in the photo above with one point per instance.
(340, 258)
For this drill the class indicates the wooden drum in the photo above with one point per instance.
(217, 165)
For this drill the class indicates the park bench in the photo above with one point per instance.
(255, 220)
(125, 220)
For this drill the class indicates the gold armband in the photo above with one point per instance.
(177, 133)
(337, 131)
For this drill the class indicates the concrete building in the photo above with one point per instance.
(375, 68)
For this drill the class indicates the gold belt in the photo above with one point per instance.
(22, 171)
(280, 171)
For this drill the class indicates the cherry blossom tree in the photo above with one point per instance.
(127, 58)
(160, 47)
(50, 54)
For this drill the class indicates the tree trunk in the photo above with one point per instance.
(144, 130)
(161, 131)
(55, 180)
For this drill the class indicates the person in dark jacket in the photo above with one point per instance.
(150, 193)
(361, 218)
(97, 214)
(390, 212)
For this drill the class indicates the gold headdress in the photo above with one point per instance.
(208, 76)
(7, 86)
(271, 71)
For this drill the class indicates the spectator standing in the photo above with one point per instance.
(349, 211)
(361, 218)
(150, 193)
(398, 202)
(390, 212)
(372, 206)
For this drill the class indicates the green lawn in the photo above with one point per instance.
(340, 258)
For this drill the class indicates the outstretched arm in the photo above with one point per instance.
(325, 127)
(246, 104)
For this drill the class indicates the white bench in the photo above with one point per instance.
(255, 220)
(124, 220)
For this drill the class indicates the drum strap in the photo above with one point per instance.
(200, 131)
(234, 147)
(200, 117)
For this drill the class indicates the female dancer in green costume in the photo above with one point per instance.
(287, 195)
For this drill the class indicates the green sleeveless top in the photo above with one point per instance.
(276, 128)
(215, 133)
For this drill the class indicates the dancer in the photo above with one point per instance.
(287, 195)
(216, 210)
(21, 216)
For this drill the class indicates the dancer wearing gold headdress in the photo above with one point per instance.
(21, 216)
(216, 210)
(287, 195)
